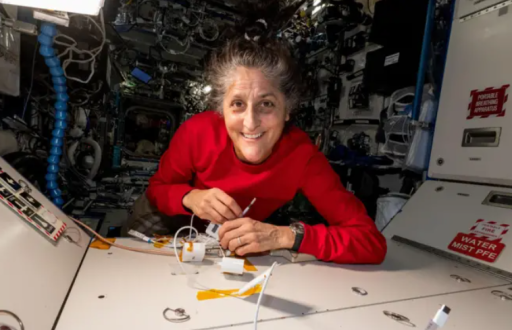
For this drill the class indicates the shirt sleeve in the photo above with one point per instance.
(173, 179)
(351, 237)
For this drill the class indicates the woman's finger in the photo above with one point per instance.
(239, 241)
(247, 249)
(231, 225)
(230, 203)
(233, 235)
(223, 210)
(215, 216)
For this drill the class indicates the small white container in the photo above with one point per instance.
(193, 252)
(232, 266)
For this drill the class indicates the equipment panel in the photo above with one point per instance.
(473, 134)
(460, 220)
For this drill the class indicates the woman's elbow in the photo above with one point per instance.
(380, 249)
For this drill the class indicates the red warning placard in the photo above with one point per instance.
(489, 102)
(482, 242)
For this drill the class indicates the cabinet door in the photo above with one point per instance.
(473, 136)
(36, 273)
(440, 211)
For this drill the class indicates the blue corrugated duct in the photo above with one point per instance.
(48, 32)
(425, 53)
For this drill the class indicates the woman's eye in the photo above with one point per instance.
(268, 104)
(237, 104)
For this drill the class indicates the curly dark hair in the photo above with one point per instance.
(272, 57)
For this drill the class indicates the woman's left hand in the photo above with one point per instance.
(244, 236)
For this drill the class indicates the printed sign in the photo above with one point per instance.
(489, 102)
(482, 242)
(391, 59)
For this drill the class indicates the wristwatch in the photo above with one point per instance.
(298, 230)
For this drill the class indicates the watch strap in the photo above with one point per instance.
(299, 235)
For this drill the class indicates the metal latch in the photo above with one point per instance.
(399, 318)
(14, 316)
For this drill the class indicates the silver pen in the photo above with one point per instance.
(248, 208)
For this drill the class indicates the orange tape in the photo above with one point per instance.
(97, 244)
(161, 243)
(216, 294)
(248, 266)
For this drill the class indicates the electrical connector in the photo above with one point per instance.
(140, 236)
(439, 319)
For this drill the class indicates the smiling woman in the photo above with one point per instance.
(255, 114)
(220, 160)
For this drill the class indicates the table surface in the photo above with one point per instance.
(136, 288)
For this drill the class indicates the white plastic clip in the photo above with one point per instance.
(213, 230)
(232, 266)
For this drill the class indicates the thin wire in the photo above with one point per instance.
(260, 298)
(31, 79)
(104, 240)
(71, 48)
(123, 247)
(369, 9)
(191, 226)
(176, 52)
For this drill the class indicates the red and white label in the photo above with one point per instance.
(490, 230)
(483, 241)
(489, 102)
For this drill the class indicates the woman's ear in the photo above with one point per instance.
(287, 116)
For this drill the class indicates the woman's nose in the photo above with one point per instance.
(251, 119)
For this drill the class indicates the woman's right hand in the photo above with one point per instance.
(212, 204)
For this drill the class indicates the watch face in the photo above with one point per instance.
(298, 228)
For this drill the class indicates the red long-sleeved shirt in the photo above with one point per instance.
(201, 156)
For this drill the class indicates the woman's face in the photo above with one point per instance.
(255, 114)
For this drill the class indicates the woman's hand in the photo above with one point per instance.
(213, 204)
(244, 236)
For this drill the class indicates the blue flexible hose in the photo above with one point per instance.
(47, 33)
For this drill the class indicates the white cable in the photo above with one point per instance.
(97, 157)
(71, 48)
(215, 30)
(260, 298)
(191, 226)
(186, 44)
(181, 264)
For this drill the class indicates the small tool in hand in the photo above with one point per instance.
(213, 228)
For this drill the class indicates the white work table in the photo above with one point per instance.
(470, 310)
(136, 288)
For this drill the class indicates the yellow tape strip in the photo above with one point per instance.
(160, 244)
(97, 244)
(248, 266)
(216, 294)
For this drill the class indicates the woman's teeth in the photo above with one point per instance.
(252, 136)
